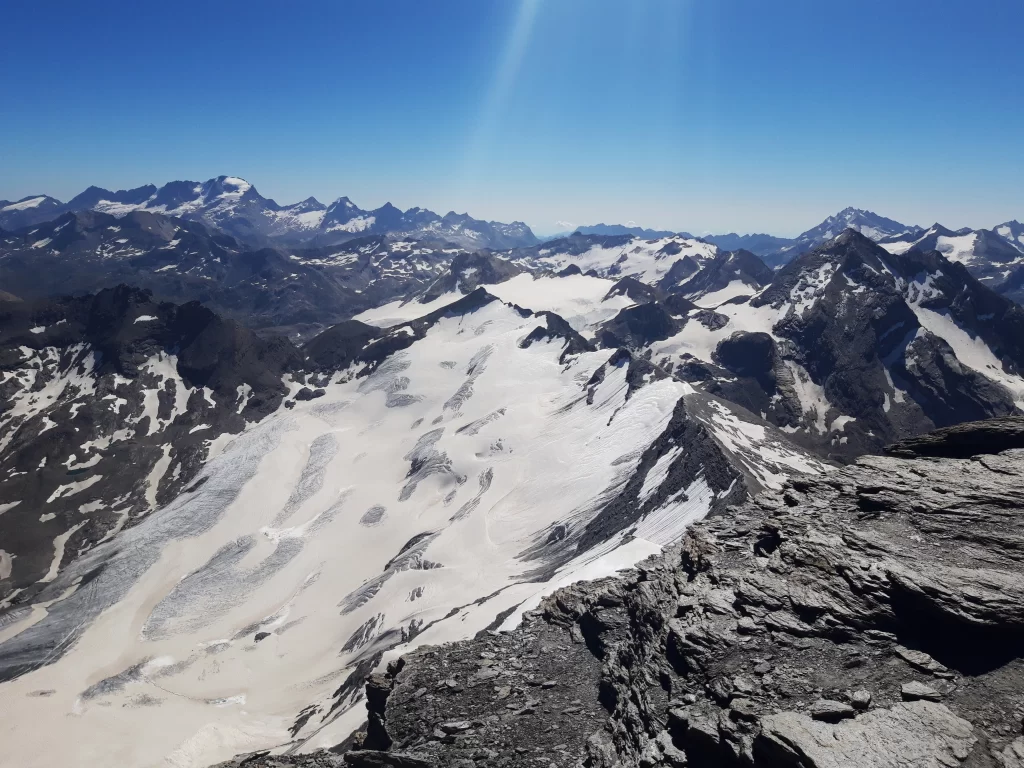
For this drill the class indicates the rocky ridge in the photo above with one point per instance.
(870, 616)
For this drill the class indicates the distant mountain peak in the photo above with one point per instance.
(627, 229)
(25, 203)
(872, 225)
(234, 182)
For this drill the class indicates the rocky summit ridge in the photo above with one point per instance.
(871, 616)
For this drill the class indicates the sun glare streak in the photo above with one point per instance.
(502, 83)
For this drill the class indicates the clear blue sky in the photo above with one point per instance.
(707, 115)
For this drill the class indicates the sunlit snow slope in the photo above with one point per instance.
(438, 495)
(646, 260)
(582, 300)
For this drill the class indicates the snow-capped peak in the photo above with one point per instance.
(25, 204)
(234, 185)
(868, 223)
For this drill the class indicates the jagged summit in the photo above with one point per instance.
(234, 206)
(867, 223)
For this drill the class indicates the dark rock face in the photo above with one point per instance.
(467, 272)
(681, 270)
(742, 266)
(94, 196)
(754, 376)
(870, 616)
(663, 315)
(336, 347)
(998, 321)
(965, 440)
(639, 326)
(556, 327)
(183, 261)
(750, 354)
(760, 244)
(860, 340)
(632, 288)
(703, 458)
(97, 394)
(856, 355)
(28, 211)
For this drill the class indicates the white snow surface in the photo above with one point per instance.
(756, 449)
(713, 299)
(400, 311)
(646, 260)
(901, 246)
(464, 437)
(697, 340)
(117, 209)
(356, 224)
(24, 205)
(656, 475)
(302, 220)
(959, 248)
(971, 351)
(578, 299)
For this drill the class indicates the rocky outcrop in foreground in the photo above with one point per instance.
(869, 617)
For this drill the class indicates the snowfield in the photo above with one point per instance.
(734, 290)
(581, 300)
(413, 505)
(646, 260)
(26, 204)
(442, 489)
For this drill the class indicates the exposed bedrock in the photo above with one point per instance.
(872, 616)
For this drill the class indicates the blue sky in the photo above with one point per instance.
(706, 115)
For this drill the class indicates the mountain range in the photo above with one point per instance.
(622, 229)
(245, 472)
(183, 260)
(304, 288)
(233, 206)
(777, 251)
